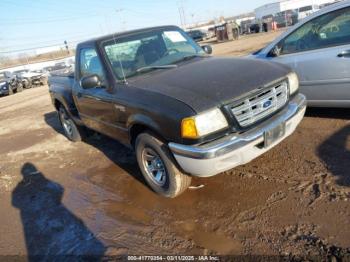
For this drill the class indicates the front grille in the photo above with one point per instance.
(260, 105)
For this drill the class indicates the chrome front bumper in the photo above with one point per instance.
(237, 149)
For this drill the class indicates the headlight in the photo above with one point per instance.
(293, 83)
(3, 85)
(203, 124)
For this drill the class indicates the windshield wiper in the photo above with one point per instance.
(189, 57)
(155, 67)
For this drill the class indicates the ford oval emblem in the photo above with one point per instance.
(267, 103)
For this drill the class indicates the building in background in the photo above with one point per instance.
(275, 8)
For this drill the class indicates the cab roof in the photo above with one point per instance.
(97, 40)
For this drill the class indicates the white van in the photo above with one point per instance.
(306, 11)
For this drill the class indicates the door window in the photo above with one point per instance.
(90, 63)
(328, 30)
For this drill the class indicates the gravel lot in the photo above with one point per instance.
(59, 197)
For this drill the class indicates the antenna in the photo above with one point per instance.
(120, 62)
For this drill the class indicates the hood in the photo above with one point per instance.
(204, 83)
(4, 80)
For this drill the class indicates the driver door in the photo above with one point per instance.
(97, 106)
(319, 52)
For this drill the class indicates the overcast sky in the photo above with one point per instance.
(26, 24)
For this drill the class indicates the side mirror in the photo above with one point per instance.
(90, 81)
(208, 49)
(275, 52)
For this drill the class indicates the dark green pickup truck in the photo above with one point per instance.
(184, 112)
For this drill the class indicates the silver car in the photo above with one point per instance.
(318, 49)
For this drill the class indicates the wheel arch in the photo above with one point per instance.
(140, 124)
(57, 103)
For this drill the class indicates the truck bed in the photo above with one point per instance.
(60, 88)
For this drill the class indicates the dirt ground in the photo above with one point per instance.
(58, 197)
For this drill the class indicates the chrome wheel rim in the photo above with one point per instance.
(66, 123)
(154, 166)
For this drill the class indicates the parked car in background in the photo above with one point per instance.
(48, 68)
(185, 113)
(318, 49)
(254, 28)
(30, 78)
(59, 66)
(305, 11)
(23, 77)
(286, 18)
(44, 75)
(197, 35)
(9, 84)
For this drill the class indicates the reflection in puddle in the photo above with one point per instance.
(126, 212)
(130, 210)
(209, 240)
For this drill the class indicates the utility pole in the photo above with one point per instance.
(285, 18)
(181, 21)
(182, 13)
(122, 21)
(184, 16)
(66, 45)
(192, 15)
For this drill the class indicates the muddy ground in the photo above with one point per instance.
(58, 197)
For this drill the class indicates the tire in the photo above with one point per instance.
(172, 182)
(10, 91)
(19, 88)
(29, 85)
(26, 84)
(73, 132)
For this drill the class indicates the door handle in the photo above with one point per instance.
(344, 54)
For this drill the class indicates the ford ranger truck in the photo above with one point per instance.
(185, 113)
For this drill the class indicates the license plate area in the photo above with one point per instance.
(272, 135)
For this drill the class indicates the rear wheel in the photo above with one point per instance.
(72, 131)
(19, 88)
(159, 167)
(29, 83)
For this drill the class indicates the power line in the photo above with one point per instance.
(33, 36)
(70, 42)
(41, 7)
(46, 21)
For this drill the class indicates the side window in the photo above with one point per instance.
(328, 30)
(90, 63)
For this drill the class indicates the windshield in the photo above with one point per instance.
(149, 50)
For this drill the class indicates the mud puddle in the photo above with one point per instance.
(208, 240)
(22, 139)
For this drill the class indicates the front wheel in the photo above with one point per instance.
(19, 88)
(159, 168)
(71, 130)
